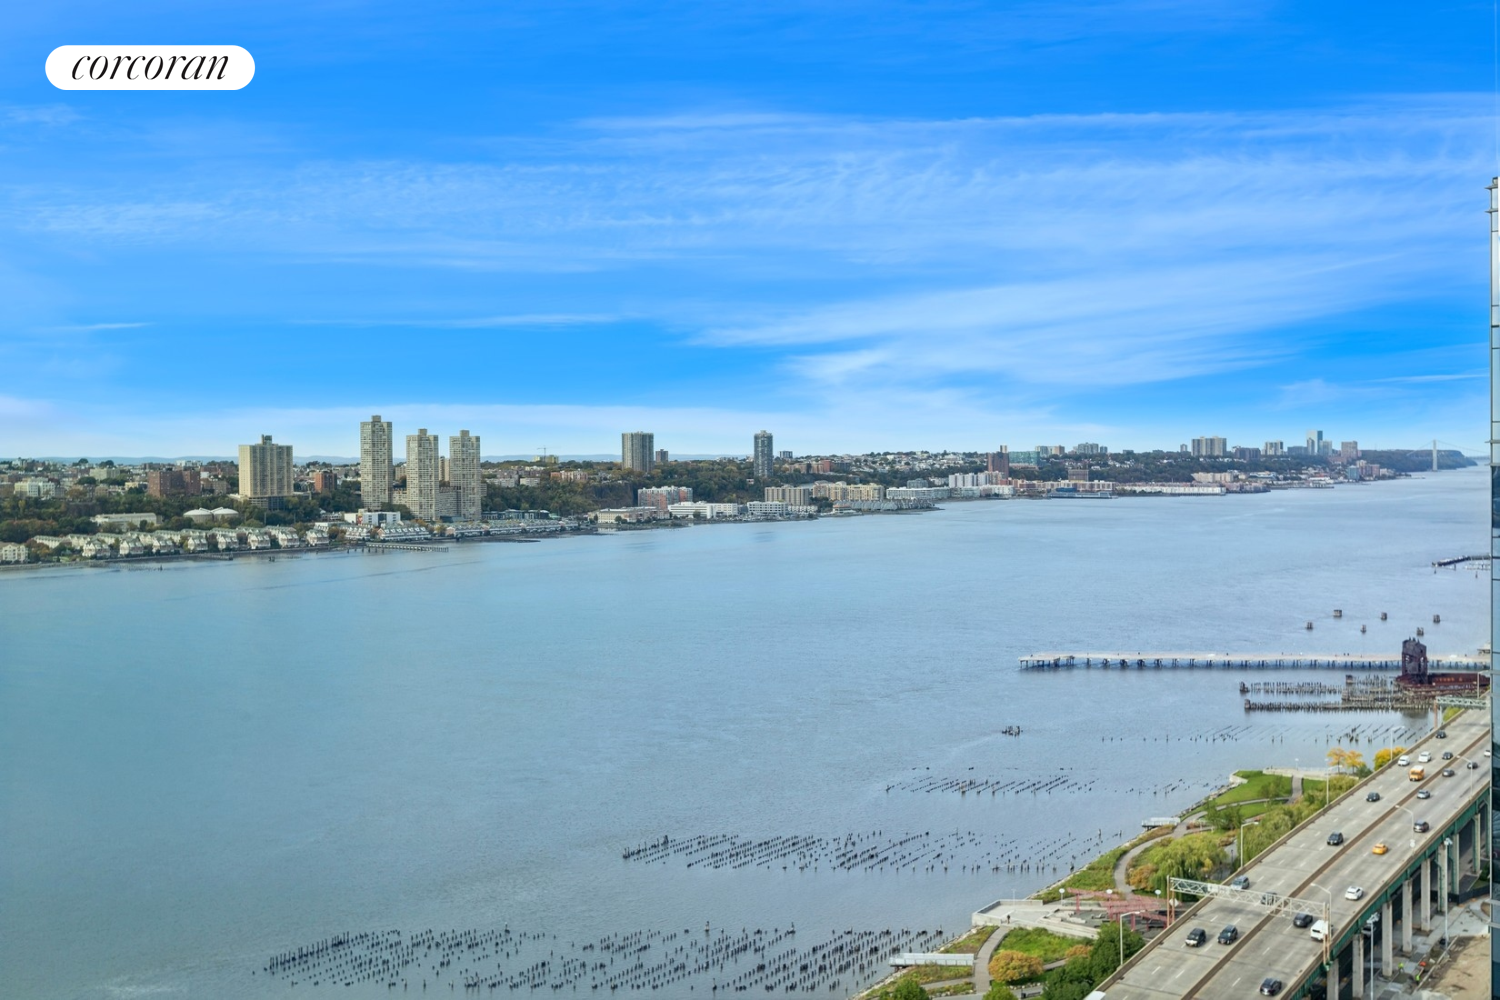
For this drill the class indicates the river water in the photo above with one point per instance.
(206, 765)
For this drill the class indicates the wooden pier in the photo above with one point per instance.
(1346, 662)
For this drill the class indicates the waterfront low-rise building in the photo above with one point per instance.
(108, 522)
(14, 552)
(257, 539)
(616, 515)
(704, 509)
(286, 538)
(918, 493)
(405, 531)
(225, 539)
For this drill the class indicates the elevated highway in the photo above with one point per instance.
(1406, 888)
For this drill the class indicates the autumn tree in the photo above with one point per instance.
(1014, 966)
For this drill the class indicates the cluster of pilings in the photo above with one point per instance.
(964, 784)
(482, 961)
(962, 851)
(1291, 687)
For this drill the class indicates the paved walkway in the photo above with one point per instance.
(1122, 867)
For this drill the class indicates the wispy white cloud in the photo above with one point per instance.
(88, 327)
(890, 255)
(473, 323)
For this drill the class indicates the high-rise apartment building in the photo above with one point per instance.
(1210, 447)
(377, 473)
(661, 456)
(1273, 449)
(764, 456)
(999, 461)
(422, 474)
(636, 450)
(465, 476)
(266, 473)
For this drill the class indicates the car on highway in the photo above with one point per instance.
(1421, 826)
(1379, 848)
(1302, 920)
(1196, 936)
(1229, 935)
(1270, 987)
(1447, 754)
(1354, 892)
(1448, 772)
(1440, 734)
(1240, 882)
(1269, 898)
(1424, 757)
(1319, 930)
(1472, 766)
(1372, 797)
(1403, 760)
(1335, 839)
(1423, 793)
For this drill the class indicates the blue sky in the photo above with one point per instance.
(860, 225)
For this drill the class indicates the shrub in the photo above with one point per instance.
(908, 989)
(1014, 966)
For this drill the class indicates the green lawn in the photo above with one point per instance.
(1257, 785)
(925, 974)
(970, 943)
(1044, 944)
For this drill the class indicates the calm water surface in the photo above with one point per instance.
(207, 764)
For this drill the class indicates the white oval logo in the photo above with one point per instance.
(149, 67)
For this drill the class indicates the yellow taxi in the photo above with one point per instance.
(1379, 849)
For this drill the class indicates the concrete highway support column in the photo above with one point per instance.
(1443, 879)
(1407, 916)
(1387, 936)
(1474, 844)
(1424, 906)
(1358, 946)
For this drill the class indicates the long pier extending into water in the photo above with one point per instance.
(1242, 661)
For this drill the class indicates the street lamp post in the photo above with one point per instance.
(1240, 849)
(1121, 935)
(1327, 920)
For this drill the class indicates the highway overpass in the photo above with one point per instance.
(1408, 887)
